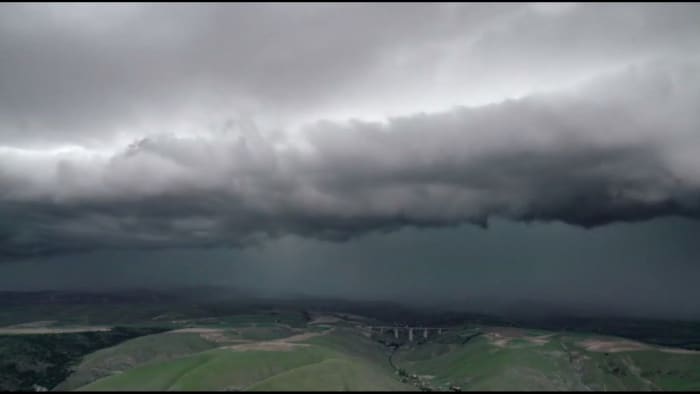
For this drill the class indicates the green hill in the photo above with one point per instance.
(278, 357)
(516, 359)
(334, 361)
(150, 348)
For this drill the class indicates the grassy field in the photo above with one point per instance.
(331, 374)
(334, 361)
(275, 356)
(513, 359)
(164, 347)
(243, 348)
(151, 348)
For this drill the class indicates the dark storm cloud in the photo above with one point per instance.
(621, 148)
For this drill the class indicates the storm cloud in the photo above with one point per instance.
(540, 116)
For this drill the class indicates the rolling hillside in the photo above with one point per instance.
(338, 360)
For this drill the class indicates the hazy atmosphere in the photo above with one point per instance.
(462, 155)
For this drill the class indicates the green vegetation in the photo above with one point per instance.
(134, 352)
(557, 362)
(259, 319)
(208, 370)
(160, 314)
(332, 374)
(45, 360)
(82, 314)
(480, 365)
(247, 347)
(338, 360)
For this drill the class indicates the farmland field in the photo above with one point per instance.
(283, 347)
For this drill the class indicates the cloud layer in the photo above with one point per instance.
(81, 74)
(184, 126)
(621, 148)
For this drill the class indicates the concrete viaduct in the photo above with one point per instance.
(410, 330)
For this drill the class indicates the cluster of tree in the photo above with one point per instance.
(45, 360)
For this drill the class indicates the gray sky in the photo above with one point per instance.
(130, 130)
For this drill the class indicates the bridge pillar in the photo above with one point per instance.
(410, 334)
(439, 331)
(425, 333)
(396, 333)
(381, 330)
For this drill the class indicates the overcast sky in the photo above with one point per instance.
(204, 134)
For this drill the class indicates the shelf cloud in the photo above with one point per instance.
(159, 127)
